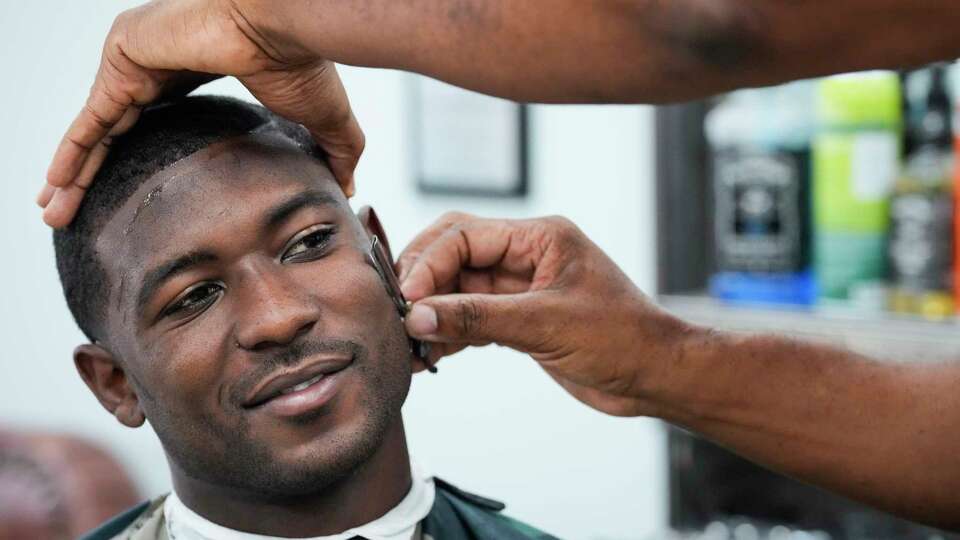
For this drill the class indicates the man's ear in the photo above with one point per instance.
(371, 223)
(108, 381)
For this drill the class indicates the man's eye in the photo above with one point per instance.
(309, 244)
(194, 300)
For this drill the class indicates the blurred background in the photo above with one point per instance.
(820, 208)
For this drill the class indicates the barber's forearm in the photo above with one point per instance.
(882, 433)
(616, 50)
(558, 51)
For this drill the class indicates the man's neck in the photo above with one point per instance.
(367, 493)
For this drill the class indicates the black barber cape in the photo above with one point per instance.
(456, 515)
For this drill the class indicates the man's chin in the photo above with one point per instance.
(302, 466)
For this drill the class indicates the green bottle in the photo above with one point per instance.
(856, 158)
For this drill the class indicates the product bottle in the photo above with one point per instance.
(760, 149)
(921, 211)
(856, 159)
(955, 99)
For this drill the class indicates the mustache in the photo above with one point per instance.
(296, 352)
(291, 355)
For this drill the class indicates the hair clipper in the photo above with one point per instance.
(381, 262)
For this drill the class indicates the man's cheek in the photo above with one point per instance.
(186, 376)
(361, 297)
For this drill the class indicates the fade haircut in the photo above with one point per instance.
(165, 133)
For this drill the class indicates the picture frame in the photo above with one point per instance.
(466, 143)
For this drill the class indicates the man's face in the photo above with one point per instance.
(262, 346)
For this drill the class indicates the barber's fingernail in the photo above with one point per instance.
(411, 291)
(422, 320)
(46, 193)
(405, 287)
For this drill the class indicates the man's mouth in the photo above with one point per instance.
(302, 386)
(292, 392)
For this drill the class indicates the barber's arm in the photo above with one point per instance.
(587, 51)
(617, 50)
(881, 433)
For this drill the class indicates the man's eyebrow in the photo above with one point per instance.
(280, 213)
(157, 276)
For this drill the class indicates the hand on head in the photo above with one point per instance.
(542, 287)
(167, 48)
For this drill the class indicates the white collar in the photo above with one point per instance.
(399, 523)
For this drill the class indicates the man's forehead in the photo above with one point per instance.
(246, 175)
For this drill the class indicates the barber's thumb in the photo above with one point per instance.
(470, 318)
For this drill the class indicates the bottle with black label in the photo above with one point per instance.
(760, 146)
(921, 210)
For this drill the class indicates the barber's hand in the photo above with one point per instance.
(169, 47)
(539, 286)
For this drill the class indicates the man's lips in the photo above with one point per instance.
(296, 380)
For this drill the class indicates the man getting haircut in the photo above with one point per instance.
(226, 290)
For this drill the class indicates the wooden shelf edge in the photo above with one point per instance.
(882, 335)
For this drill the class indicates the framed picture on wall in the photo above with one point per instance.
(467, 143)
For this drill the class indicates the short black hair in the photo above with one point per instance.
(165, 133)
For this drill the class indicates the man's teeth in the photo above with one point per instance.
(302, 386)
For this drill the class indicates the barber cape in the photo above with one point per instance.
(455, 515)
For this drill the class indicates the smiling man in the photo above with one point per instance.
(228, 295)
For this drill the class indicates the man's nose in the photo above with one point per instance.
(272, 310)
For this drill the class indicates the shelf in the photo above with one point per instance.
(881, 335)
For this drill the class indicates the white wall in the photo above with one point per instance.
(491, 421)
